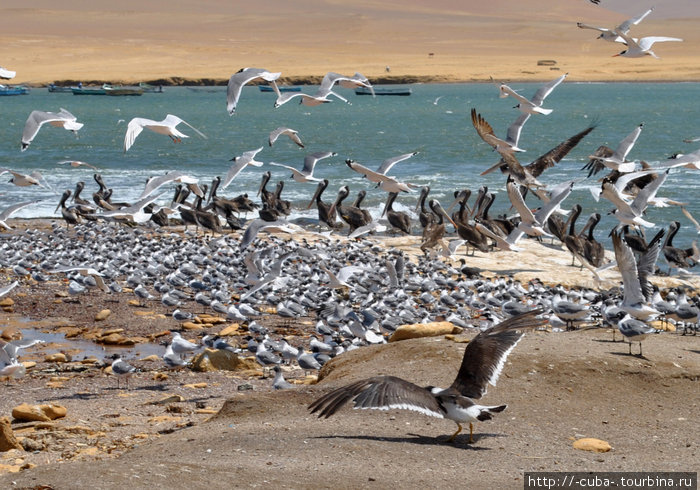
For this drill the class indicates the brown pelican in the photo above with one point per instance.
(267, 197)
(284, 207)
(425, 217)
(224, 207)
(352, 215)
(466, 232)
(678, 257)
(501, 226)
(324, 215)
(593, 250)
(70, 214)
(397, 219)
(434, 232)
(573, 241)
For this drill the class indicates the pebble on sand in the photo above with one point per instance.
(7, 437)
(102, 315)
(592, 444)
(221, 360)
(41, 413)
(418, 330)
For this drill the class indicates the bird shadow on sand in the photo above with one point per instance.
(627, 354)
(73, 396)
(461, 441)
(608, 341)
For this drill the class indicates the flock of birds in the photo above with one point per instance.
(358, 291)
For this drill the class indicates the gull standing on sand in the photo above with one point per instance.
(241, 162)
(37, 119)
(167, 126)
(306, 174)
(610, 34)
(642, 47)
(285, 131)
(122, 369)
(534, 105)
(240, 78)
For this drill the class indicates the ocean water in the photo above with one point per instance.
(451, 155)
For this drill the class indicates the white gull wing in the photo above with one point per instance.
(172, 121)
(37, 119)
(626, 145)
(647, 193)
(310, 161)
(546, 89)
(543, 214)
(10, 210)
(6, 289)
(242, 161)
(240, 78)
(390, 162)
(628, 269)
(514, 130)
(156, 182)
(293, 135)
(646, 43)
(516, 199)
(133, 129)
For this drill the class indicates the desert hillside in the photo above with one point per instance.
(445, 40)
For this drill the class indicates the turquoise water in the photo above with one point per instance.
(369, 130)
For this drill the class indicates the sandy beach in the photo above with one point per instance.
(179, 42)
(190, 425)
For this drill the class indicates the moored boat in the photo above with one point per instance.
(282, 88)
(151, 89)
(13, 90)
(383, 91)
(59, 88)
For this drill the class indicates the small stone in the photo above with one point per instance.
(31, 445)
(7, 437)
(592, 444)
(113, 330)
(160, 377)
(196, 385)
(168, 399)
(418, 330)
(206, 411)
(151, 358)
(191, 326)
(7, 302)
(221, 360)
(164, 418)
(41, 413)
(233, 329)
(11, 333)
(102, 315)
(56, 357)
(115, 339)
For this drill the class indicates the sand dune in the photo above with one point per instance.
(469, 40)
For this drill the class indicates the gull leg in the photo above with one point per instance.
(455, 434)
(471, 433)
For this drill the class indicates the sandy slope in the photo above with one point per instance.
(559, 387)
(470, 40)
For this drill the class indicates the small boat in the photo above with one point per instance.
(59, 88)
(282, 88)
(80, 90)
(151, 89)
(383, 91)
(120, 90)
(13, 90)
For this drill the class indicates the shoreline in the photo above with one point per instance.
(176, 81)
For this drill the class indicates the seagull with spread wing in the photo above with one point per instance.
(610, 34)
(534, 105)
(242, 77)
(167, 126)
(482, 364)
(486, 133)
(306, 174)
(62, 119)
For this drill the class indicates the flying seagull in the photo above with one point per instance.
(534, 105)
(167, 126)
(483, 361)
(241, 162)
(9, 211)
(293, 135)
(240, 78)
(638, 48)
(37, 119)
(486, 133)
(609, 34)
(306, 174)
